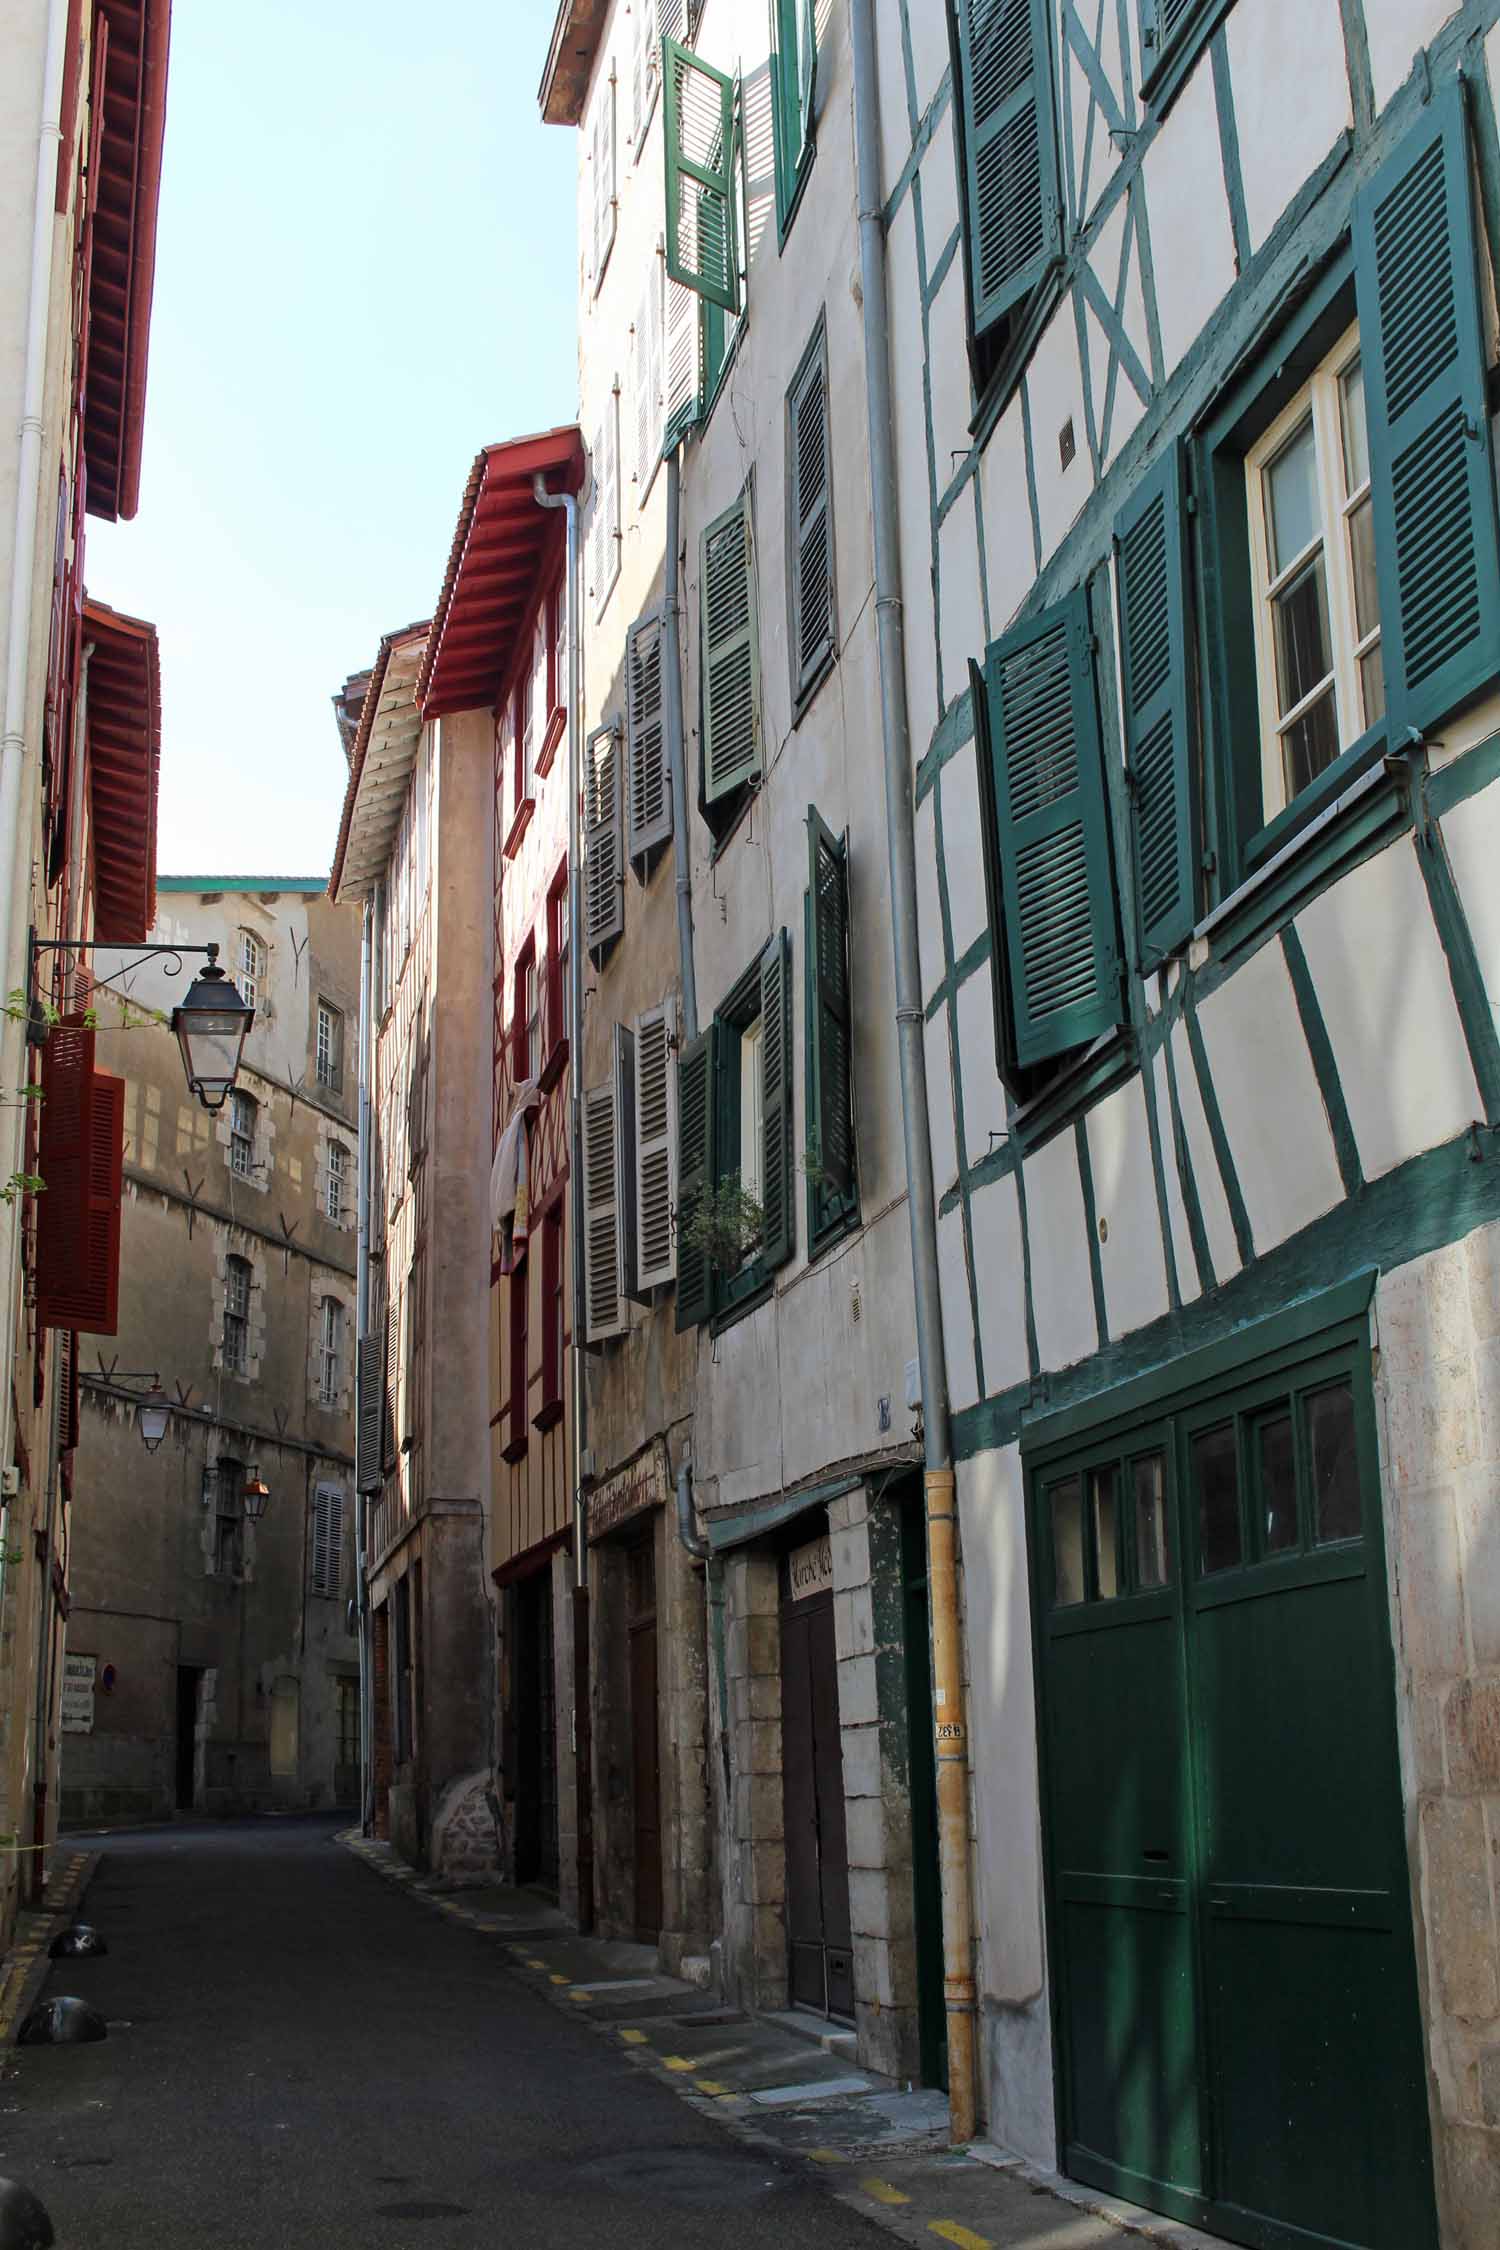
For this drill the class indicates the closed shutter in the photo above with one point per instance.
(648, 399)
(643, 71)
(650, 814)
(327, 1540)
(604, 1297)
(655, 1147)
(624, 1058)
(63, 1161)
(795, 65)
(1010, 151)
(701, 249)
(106, 1186)
(603, 153)
(779, 1237)
(810, 531)
(603, 872)
(604, 508)
(370, 1411)
(831, 1106)
(1057, 881)
(1007, 1062)
(697, 1139)
(1158, 748)
(731, 668)
(1431, 474)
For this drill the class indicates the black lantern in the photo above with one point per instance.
(257, 1493)
(210, 1025)
(152, 1417)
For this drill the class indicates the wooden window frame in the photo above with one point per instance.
(330, 1073)
(553, 1310)
(526, 1012)
(242, 1105)
(556, 1005)
(557, 697)
(237, 1361)
(807, 676)
(794, 84)
(518, 1343)
(252, 962)
(833, 1210)
(335, 1180)
(330, 1351)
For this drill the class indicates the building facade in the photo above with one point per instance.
(210, 1654)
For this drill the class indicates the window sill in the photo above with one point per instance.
(518, 827)
(1081, 1081)
(557, 726)
(836, 1231)
(547, 1417)
(806, 696)
(513, 1452)
(554, 1066)
(787, 211)
(757, 1282)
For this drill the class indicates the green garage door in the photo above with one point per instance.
(1230, 1926)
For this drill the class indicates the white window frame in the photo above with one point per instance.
(335, 1180)
(532, 1002)
(243, 1108)
(250, 973)
(237, 1314)
(330, 1351)
(1320, 401)
(329, 1045)
(752, 1108)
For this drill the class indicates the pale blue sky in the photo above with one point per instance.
(365, 271)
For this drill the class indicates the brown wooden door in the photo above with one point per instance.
(820, 1959)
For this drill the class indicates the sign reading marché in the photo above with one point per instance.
(78, 1694)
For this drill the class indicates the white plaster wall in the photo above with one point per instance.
(1062, 1290)
(1130, 1245)
(984, 1118)
(958, 1312)
(1154, 1074)
(962, 632)
(929, 911)
(940, 1086)
(1291, 98)
(1192, 243)
(1471, 832)
(999, 1260)
(1395, 30)
(1074, 98)
(963, 850)
(1105, 257)
(1214, 1204)
(1009, 557)
(1054, 392)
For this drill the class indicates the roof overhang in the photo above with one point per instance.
(385, 750)
(570, 60)
(123, 728)
(123, 269)
(503, 545)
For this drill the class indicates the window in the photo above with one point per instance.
(330, 1352)
(645, 71)
(242, 1116)
(237, 1315)
(250, 973)
(730, 663)
(526, 1020)
(705, 217)
(328, 1553)
(734, 1145)
(557, 965)
(554, 661)
(1012, 202)
(329, 1046)
(554, 1316)
(336, 1183)
(1106, 1528)
(519, 1304)
(794, 68)
(1173, 32)
(229, 1517)
(809, 524)
(832, 1185)
(525, 737)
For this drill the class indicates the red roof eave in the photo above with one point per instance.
(123, 734)
(124, 260)
(368, 709)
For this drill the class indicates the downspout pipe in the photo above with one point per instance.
(687, 1528)
(671, 624)
(582, 1706)
(938, 1479)
(362, 1329)
(15, 830)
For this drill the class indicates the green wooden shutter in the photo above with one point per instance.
(1158, 746)
(810, 528)
(1057, 882)
(1007, 1062)
(794, 62)
(701, 247)
(831, 1105)
(731, 664)
(696, 1161)
(779, 1238)
(1010, 151)
(1431, 475)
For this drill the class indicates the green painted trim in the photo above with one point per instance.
(956, 1083)
(1091, 1227)
(1083, 1081)
(1451, 785)
(1325, 1068)
(921, 142)
(1363, 830)
(909, 67)
(1316, 1315)
(1357, 63)
(1033, 1351)
(1161, 84)
(1159, 1179)
(1186, 1177)
(1432, 1200)
(1484, 139)
(1137, 196)
(725, 1532)
(984, 573)
(1086, 375)
(1229, 150)
(1475, 1011)
(1031, 499)
(1239, 1217)
(945, 259)
(202, 883)
(953, 730)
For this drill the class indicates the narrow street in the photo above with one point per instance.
(298, 2053)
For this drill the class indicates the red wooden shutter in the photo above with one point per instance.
(106, 1193)
(63, 1153)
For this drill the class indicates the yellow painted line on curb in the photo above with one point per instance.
(678, 2062)
(518, 1953)
(883, 2192)
(827, 2156)
(533, 1964)
(584, 1999)
(965, 2237)
(554, 1978)
(710, 2086)
(633, 2038)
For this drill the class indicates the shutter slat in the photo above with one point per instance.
(682, 345)
(1437, 548)
(625, 1231)
(106, 1195)
(655, 1147)
(1010, 151)
(701, 247)
(696, 1161)
(779, 1234)
(649, 821)
(811, 528)
(604, 1308)
(1154, 662)
(1007, 1061)
(63, 1159)
(730, 655)
(832, 1088)
(603, 871)
(370, 1410)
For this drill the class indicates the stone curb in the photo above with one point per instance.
(27, 1963)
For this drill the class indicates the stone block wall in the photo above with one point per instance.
(755, 1965)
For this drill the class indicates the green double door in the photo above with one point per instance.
(1230, 1927)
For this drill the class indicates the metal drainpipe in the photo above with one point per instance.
(37, 1870)
(362, 1330)
(582, 1706)
(938, 1480)
(671, 618)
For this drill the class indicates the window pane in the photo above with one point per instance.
(1067, 1543)
(1217, 1483)
(1362, 554)
(1352, 416)
(1309, 744)
(1335, 1464)
(1304, 654)
(1103, 1501)
(1149, 1476)
(1372, 684)
(1292, 518)
(1278, 1484)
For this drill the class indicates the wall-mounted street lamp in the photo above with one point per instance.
(209, 1024)
(257, 1493)
(153, 1409)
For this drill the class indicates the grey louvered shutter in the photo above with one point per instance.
(605, 201)
(655, 1146)
(604, 1299)
(598, 517)
(603, 857)
(779, 1237)
(1010, 151)
(701, 248)
(370, 1411)
(1431, 474)
(831, 1105)
(624, 1061)
(649, 821)
(644, 64)
(1057, 878)
(1159, 761)
(697, 1152)
(391, 1429)
(648, 392)
(682, 349)
(731, 665)
(810, 530)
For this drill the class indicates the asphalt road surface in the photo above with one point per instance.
(300, 2055)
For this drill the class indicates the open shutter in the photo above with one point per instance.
(648, 398)
(810, 533)
(1158, 749)
(603, 153)
(655, 1146)
(603, 872)
(64, 1157)
(624, 1051)
(106, 1187)
(1431, 474)
(832, 1104)
(650, 814)
(777, 1172)
(1057, 882)
(390, 1432)
(731, 667)
(369, 1410)
(701, 248)
(1007, 1063)
(682, 346)
(696, 1166)
(604, 1298)
(1010, 151)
